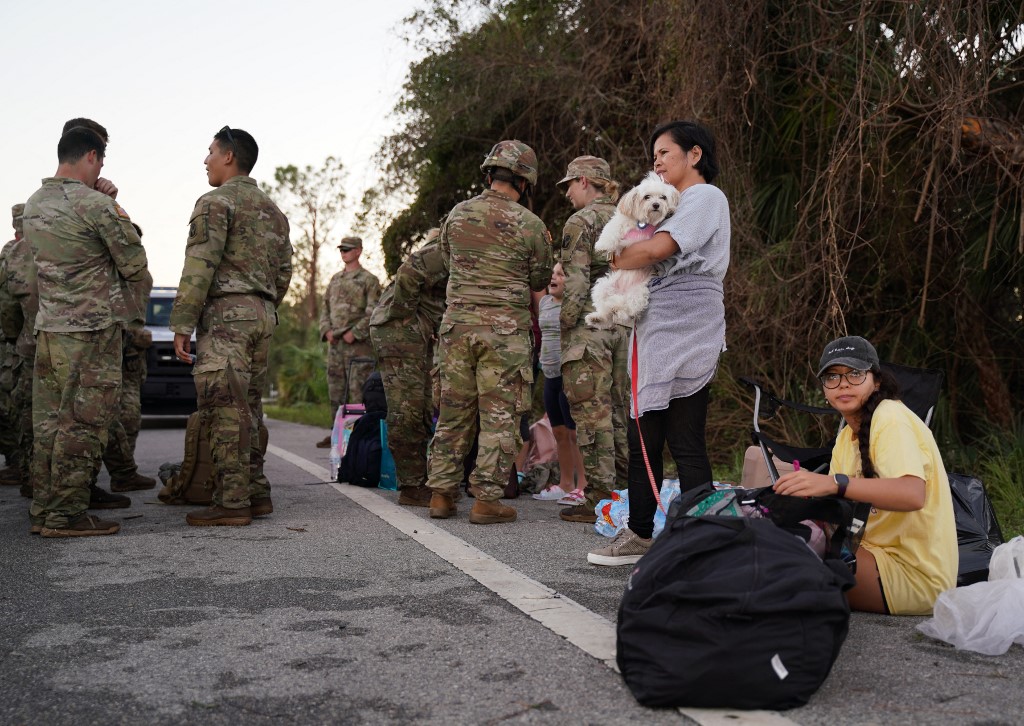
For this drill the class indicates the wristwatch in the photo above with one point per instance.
(842, 481)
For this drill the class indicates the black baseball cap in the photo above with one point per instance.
(851, 351)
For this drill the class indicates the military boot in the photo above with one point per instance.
(324, 443)
(260, 506)
(102, 499)
(84, 525)
(419, 496)
(491, 513)
(219, 517)
(136, 483)
(442, 506)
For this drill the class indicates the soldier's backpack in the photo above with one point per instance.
(191, 481)
(362, 460)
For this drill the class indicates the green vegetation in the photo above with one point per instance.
(872, 154)
(311, 414)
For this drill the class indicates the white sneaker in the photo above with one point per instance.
(551, 494)
(572, 498)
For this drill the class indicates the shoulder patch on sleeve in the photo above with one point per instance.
(120, 211)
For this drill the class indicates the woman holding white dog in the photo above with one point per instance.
(678, 339)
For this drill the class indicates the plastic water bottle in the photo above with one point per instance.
(335, 461)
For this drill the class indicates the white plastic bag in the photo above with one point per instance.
(987, 617)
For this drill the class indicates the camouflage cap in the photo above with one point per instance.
(592, 167)
(17, 214)
(350, 243)
(515, 156)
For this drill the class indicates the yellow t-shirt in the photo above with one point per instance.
(916, 551)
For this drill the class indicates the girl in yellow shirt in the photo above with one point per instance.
(885, 455)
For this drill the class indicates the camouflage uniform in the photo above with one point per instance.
(8, 360)
(18, 317)
(90, 268)
(237, 270)
(403, 328)
(496, 251)
(119, 455)
(350, 299)
(594, 373)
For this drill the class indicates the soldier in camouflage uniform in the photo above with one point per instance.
(18, 317)
(13, 474)
(238, 264)
(90, 268)
(352, 295)
(119, 456)
(496, 251)
(594, 375)
(403, 329)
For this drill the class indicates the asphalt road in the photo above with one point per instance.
(343, 608)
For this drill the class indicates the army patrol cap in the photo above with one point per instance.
(350, 243)
(515, 156)
(592, 167)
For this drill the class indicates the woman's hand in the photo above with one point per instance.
(805, 484)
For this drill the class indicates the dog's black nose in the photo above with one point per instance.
(655, 206)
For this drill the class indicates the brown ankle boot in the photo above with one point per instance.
(491, 513)
(136, 484)
(219, 517)
(260, 506)
(415, 496)
(442, 506)
(324, 443)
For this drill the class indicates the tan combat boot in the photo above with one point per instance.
(84, 525)
(219, 517)
(260, 506)
(419, 496)
(442, 506)
(137, 483)
(491, 513)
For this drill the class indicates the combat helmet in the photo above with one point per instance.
(515, 156)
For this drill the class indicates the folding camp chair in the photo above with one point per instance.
(919, 391)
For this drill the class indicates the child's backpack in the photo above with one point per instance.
(361, 463)
(730, 612)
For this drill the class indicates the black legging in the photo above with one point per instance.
(682, 426)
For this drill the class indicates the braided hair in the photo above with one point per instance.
(888, 389)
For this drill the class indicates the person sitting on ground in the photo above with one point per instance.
(570, 461)
(887, 456)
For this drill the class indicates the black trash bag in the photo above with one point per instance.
(977, 530)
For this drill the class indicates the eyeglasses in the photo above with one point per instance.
(832, 380)
(231, 139)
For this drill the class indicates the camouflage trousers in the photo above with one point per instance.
(232, 342)
(22, 398)
(76, 382)
(119, 455)
(596, 384)
(488, 374)
(407, 386)
(340, 387)
(8, 411)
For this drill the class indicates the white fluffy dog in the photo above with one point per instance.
(621, 295)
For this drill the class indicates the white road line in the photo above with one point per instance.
(588, 631)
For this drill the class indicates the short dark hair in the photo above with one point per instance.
(77, 142)
(688, 134)
(87, 123)
(242, 143)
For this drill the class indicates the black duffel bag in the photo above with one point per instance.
(731, 612)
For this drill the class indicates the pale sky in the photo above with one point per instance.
(308, 79)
